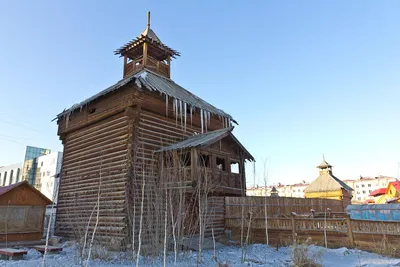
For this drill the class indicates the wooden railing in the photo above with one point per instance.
(133, 66)
(243, 213)
(157, 66)
(218, 181)
(376, 227)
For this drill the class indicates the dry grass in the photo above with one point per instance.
(385, 247)
(301, 256)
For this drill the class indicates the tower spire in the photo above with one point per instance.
(148, 19)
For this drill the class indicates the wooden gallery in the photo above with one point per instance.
(146, 156)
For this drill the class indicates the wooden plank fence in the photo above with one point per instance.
(286, 229)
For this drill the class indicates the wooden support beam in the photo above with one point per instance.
(194, 163)
(349, 231)
(144, 54)
(169, 66)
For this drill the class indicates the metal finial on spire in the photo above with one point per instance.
(148, 19)
(323, 156)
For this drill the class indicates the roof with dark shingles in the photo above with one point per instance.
(155, 82)
(205, 139)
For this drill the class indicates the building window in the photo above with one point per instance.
(221, 163)
(363, 185)
(48, 173)
(358, 192)
(4, 178)
(370, 191)
(235, 167)
(11, 177)
(359, 198)
(18, 174)
(363, 192)
(204, 160)
(369, 185)
(356, 186)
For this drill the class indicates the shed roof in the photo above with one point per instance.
(5, 189)
(378, 192)
(205, 139)
(154, 82)
(327, 182)
(8, 188)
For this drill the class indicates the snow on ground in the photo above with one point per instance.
(257, 255)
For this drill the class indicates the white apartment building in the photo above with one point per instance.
(47, 174)
(10, 174)
(44, 174)
(363, 186)
(294, 190)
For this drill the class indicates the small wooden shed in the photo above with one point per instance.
(22, 211)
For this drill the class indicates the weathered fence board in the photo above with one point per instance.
(285, 227)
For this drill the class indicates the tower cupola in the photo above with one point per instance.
(147, 51)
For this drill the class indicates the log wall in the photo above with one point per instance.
(95, 161)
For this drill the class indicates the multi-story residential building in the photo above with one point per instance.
(46, 178)
(294, 190)
(29, 171)
(364, 186)
(10, 174)
(40, 169)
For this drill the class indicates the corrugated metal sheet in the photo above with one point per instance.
(155, 82)
(378, 212)
(199, 140)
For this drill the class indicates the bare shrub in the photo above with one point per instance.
(301, 255)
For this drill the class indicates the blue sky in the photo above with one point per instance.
(302, 78)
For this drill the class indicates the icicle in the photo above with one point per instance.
(191, 115)
(205, 119)
(138, 83)
(176, 110)
(180, 112)
(166, 105)
(201, 120)
(66, 121)
(185, 112)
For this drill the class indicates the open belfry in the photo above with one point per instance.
(145, 155)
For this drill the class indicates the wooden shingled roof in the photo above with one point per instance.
(150, 37)
(205, 139)
(327, 182)
(152, 81)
